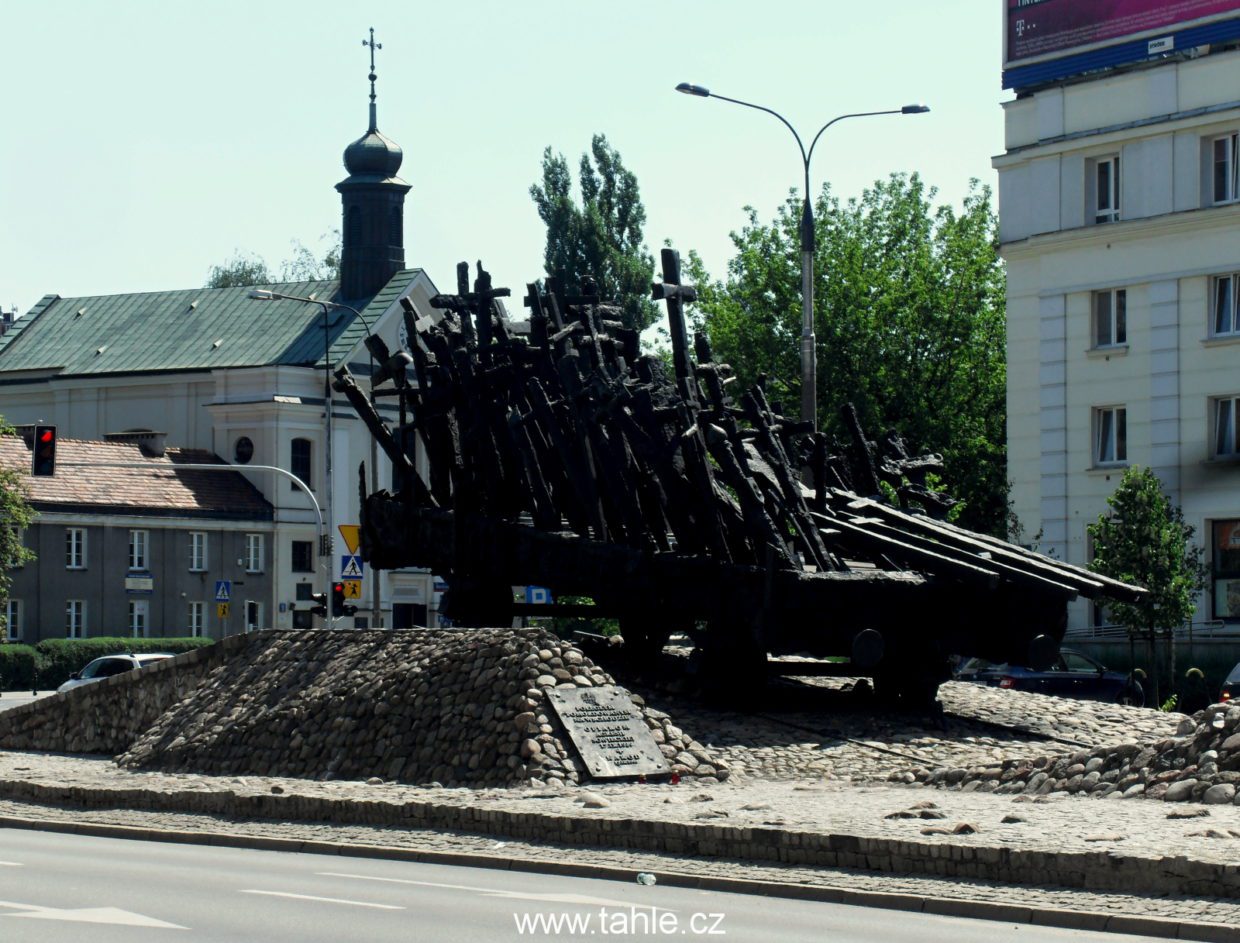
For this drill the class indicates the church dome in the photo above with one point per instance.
(373, 154)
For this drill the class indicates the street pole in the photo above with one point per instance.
(809, 345)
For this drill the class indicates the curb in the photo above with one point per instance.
(1103, 870)
(939, 906)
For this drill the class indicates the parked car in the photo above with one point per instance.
(1073, 674)
(110, 665)
(1231, 687)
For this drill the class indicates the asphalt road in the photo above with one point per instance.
(57, 887)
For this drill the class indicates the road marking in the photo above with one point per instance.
(110, 915)
(325, 900)
(10, 864)
(581, 899)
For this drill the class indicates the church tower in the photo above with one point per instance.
(373, 199)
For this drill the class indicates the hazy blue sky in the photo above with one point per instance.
(144, 141)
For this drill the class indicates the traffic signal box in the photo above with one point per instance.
(338, 605)
(320, 604)
(43, 455)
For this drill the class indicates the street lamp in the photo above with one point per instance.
(809, 389)
(263, 294)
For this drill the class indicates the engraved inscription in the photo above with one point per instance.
(608, 731)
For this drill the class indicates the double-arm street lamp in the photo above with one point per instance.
(809, 389)
(263, 294)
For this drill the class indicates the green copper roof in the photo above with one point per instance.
(194, 329)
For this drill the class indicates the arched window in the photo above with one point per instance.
(300, 462)
(396, 235)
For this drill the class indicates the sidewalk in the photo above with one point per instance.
(1125, 854)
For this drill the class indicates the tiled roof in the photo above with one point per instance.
(150, 487)
(194, 329)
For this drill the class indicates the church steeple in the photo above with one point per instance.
(373, 206)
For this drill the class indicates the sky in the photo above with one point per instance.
(142, 142)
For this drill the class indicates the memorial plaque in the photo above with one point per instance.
(608, 731)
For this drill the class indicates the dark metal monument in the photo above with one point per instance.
(557, 455)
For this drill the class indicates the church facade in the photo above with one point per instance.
(242, 374)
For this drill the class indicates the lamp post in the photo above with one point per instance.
(325, 541)
(809, 389)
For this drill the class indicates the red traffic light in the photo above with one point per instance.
(43, 459)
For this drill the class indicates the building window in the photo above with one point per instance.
(1224, 414)
(139, 611)
(75, 548)
(75, 618)
(197, 551)
(303, 556)
(1225, 569)
(1106, 189)
(254, 553)
(243, 450)
(1226, 169)
(1110, 317)
(197, 619)
(1110, 435)
(13, 619)
(1223, 313)
(138, 540)
(299, 464)
(253, 615)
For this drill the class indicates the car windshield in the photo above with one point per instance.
(1234, 677)
(106, 667)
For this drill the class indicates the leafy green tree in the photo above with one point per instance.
(244, 268)
(15, 516)
(909, 321)
(601, 238)
(247, 268)
(1142, 538)
(305, 266)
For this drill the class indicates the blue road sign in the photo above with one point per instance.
(350, 567)
(223, 590)
(538, 595)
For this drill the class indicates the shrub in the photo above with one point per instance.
(18, 664)
(58, 658)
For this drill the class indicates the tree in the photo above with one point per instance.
(15, 516)
(247, 268)
(304, 266)
(244, 268)
(601, 238)
(909, 319)
(1142, 538)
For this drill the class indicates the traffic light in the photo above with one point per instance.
(43, 455)
(320, 604)
(338, 604)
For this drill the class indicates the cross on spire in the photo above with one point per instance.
(373, 46)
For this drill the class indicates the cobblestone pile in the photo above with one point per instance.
(414, 707)
(1200, 763)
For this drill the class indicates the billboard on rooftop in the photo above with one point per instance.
(1044, 30)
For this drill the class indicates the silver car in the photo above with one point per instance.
(110, 665)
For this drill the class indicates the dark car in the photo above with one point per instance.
(1231, 687)
(1073, 674)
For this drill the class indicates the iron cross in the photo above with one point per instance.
(373, 46)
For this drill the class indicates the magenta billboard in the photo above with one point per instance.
(1037, 29)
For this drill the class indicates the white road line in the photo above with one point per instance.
(325, 900)
(10, 864)
(581, 899)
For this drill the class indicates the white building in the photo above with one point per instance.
(1120, 224)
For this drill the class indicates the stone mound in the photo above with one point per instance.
(453, 707)
(1200, 763)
